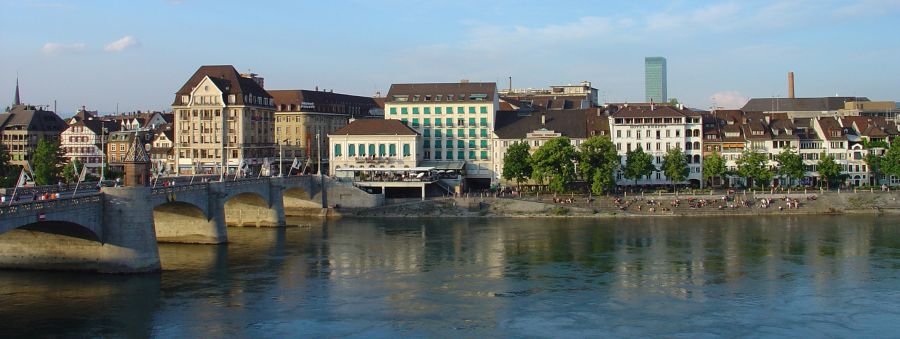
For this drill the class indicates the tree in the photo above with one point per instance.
(673, 101)
(828, 169)
(598, 160)
(71, 171)
(516, 162)
(752, 166)
(674, 166)
(9, 173)
(638, 164)
(48, 162)
(713, 167)
(790, 165)
(890, 162)
(554, 160)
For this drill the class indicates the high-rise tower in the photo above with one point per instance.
(655, 79)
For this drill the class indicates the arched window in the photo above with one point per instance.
(696, 158)
(687, 146)
(696, 145)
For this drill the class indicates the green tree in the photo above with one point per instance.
(48, 162)
(674, 166)
(597, 161)
(713, 167)
(673, 101)
(9, 173)
(638, 164)
(890, 162)
(71, 171)
(829, 170)
(790, 165)
(516, 162)
(752, 166)
(554, 161)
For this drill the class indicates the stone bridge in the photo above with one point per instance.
(117, 229)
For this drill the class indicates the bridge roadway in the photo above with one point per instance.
(116, 229)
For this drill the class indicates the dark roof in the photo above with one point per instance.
(831, 128)
(550, 102)
(375, 127)
(461, 91)
(571, 123)
(227, 79)
(136, 152)
(656, 111)
(293, 100)
(31, 118)
(798, 104)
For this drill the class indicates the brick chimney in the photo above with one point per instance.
(791, 85)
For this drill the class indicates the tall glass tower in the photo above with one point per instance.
(655, 79)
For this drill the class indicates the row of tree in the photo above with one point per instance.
(49, 166)
(558, 163)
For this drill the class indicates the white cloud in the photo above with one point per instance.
(728, 99)
(53, 48)
(121, 44)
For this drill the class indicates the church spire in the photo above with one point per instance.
(17, 101)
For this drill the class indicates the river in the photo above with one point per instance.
(805, 276)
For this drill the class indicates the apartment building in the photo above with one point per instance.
(85, 140)
(374, 143)
(22, 126)
(456, 121)
(223, 117)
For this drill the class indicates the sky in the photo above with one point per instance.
(134, 55)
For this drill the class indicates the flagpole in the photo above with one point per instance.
(78, 181)
(21, 178)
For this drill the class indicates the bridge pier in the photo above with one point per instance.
(129, 236)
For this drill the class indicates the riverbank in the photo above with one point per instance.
(648, 206)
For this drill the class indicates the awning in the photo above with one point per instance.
(375, 169)
(444, 165)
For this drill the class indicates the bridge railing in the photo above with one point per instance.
(31, 206)
(178, 188)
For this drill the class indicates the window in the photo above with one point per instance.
(449, 109)
(371, 149)
(351, 150)
(460, 144)
(484, 111)
(437, 110)
(392, 150)
(449, 155)
(471, 143)
(406, 150)
(393, 110)
(461, 155)
(472, 110)
(484, 155)
(437, 144)
(437, 132)
(415, 122)
(449, 122)
(426, 144)
(471, 133)
(416, 109)
(427, 122)
(460, 110)
(403, 110)
(461, 133)
(426, 132)
(483, 122)
(484, 144)
(437, 155)
(381, 150)
(437, 122)
(337, 150)
(471, 122)
(449, 143)
(471, 154)
(484, 133)
(427, 110)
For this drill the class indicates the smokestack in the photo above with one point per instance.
(510, 84)
(791, 85)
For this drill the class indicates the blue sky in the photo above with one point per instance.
(137, 53)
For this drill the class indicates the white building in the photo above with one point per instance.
(656, 129)
(374, 143)
(82, 140)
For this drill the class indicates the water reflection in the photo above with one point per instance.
(815, 276)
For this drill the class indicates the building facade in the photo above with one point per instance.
(22, 126)
(456, 121)
(223, 117)
(85, 140)
(655, 79)
(302, 116)
(374, 143)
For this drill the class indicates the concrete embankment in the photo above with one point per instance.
(749, 204)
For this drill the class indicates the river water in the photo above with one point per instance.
(703, 277)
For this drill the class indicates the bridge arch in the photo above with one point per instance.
(249, 209)
(74, 246)
(184, 222)
(300, 198)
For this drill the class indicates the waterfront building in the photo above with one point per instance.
(22, 126)
(655, 79)
(456, 121)
(162, 149)
(302, 116)
(223, 117)
(374, 143)
(84, 140)
(557, 97)
(119, 142)
(657, 129)
(537, 127)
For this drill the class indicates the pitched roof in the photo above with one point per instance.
(831, 128)
(551, 102)
(375, 127)
(461, 92)
(31, 118)
(571, 123)
(798, 104)
(297, 100)
(653, 112)
(227, 79)
(136, 152)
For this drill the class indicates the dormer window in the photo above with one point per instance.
(438, 97)
(231, 99)
(185, 99)
(415, 98)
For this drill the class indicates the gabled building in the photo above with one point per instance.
(162, 149)
(223, 117)
(456, 121)
(374, 143)
(85, 140)
(22, 126)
